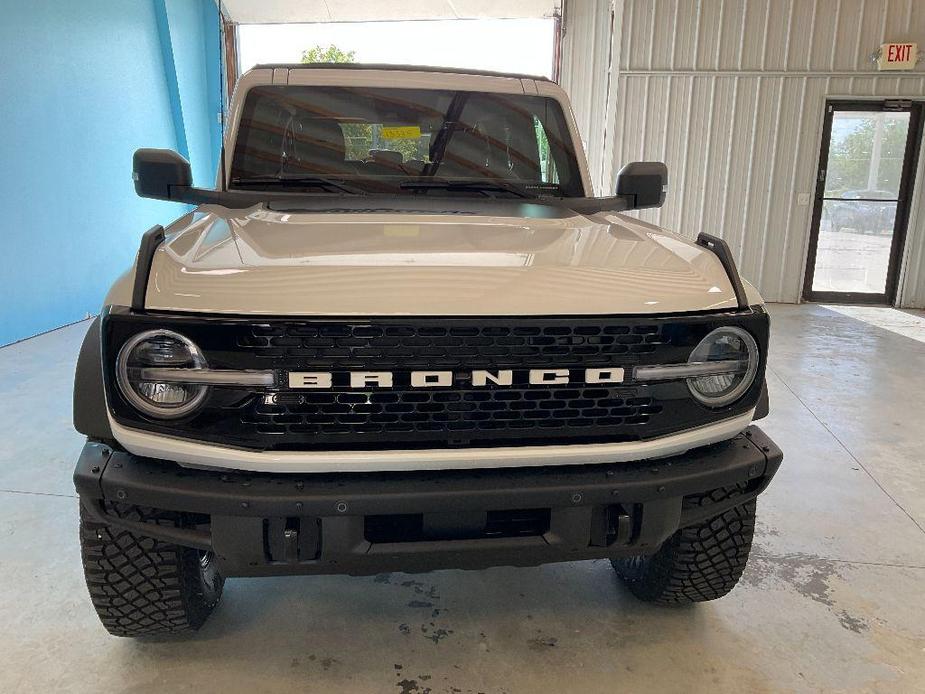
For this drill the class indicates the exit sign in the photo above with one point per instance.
(898, 56)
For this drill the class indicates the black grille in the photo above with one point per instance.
(461, 411)
(387, 347)
(460, 415)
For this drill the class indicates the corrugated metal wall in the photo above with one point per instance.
(730, 94)
(586, 34)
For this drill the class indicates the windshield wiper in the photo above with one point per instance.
(296, 181)
(474, 186)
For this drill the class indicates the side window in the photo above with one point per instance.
(548, 173)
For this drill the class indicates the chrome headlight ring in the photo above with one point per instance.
(735, 354)
(167, 399)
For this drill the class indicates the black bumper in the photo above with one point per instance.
(364, 523)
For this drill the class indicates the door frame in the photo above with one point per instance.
(903, 207)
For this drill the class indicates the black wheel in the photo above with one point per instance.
(141, 586)
(698, 563)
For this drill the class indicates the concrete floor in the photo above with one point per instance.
(832, 599)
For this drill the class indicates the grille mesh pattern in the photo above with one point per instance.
(345, 346)
(461, 412)
(464, 410)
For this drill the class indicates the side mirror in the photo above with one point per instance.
(643, 183)
(156, 171)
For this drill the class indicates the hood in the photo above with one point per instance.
(280, 263)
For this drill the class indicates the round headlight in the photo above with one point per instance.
(734, 353)
(146, 352)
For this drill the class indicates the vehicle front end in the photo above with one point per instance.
(360, 369)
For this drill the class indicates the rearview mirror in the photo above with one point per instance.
(643, 183)
(156, 171)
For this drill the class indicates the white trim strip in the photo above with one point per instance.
(209, 377)
(667, 372)
(195, 454)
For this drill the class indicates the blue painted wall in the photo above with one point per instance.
(196, 51)
(82, 85)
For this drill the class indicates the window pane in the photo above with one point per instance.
(548, 171)
(375, 138)
(853, 251)
(866, 154)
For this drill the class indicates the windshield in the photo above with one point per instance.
(409, 141)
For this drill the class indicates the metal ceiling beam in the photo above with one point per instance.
(312, 11)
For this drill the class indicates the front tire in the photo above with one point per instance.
(698, 563)
(141, 586)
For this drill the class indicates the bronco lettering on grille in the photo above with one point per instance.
(444, 379)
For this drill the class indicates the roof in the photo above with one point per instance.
(397, 68)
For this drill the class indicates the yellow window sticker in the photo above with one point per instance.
(400, 132)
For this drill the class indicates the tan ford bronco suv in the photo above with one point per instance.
(402, 335)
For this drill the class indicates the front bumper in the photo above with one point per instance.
(365, 523)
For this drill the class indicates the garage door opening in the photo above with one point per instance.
(524, 46)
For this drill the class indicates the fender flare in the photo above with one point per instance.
(90, 412)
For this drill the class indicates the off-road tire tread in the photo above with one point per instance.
(141, 586)
(698, 563)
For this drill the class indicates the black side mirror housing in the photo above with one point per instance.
(643, 183)
(156, 171)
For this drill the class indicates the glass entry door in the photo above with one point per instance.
(861, 210)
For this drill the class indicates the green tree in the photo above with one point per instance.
(357, 136)
(850, 157)
(331, 54)
(360, 138)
